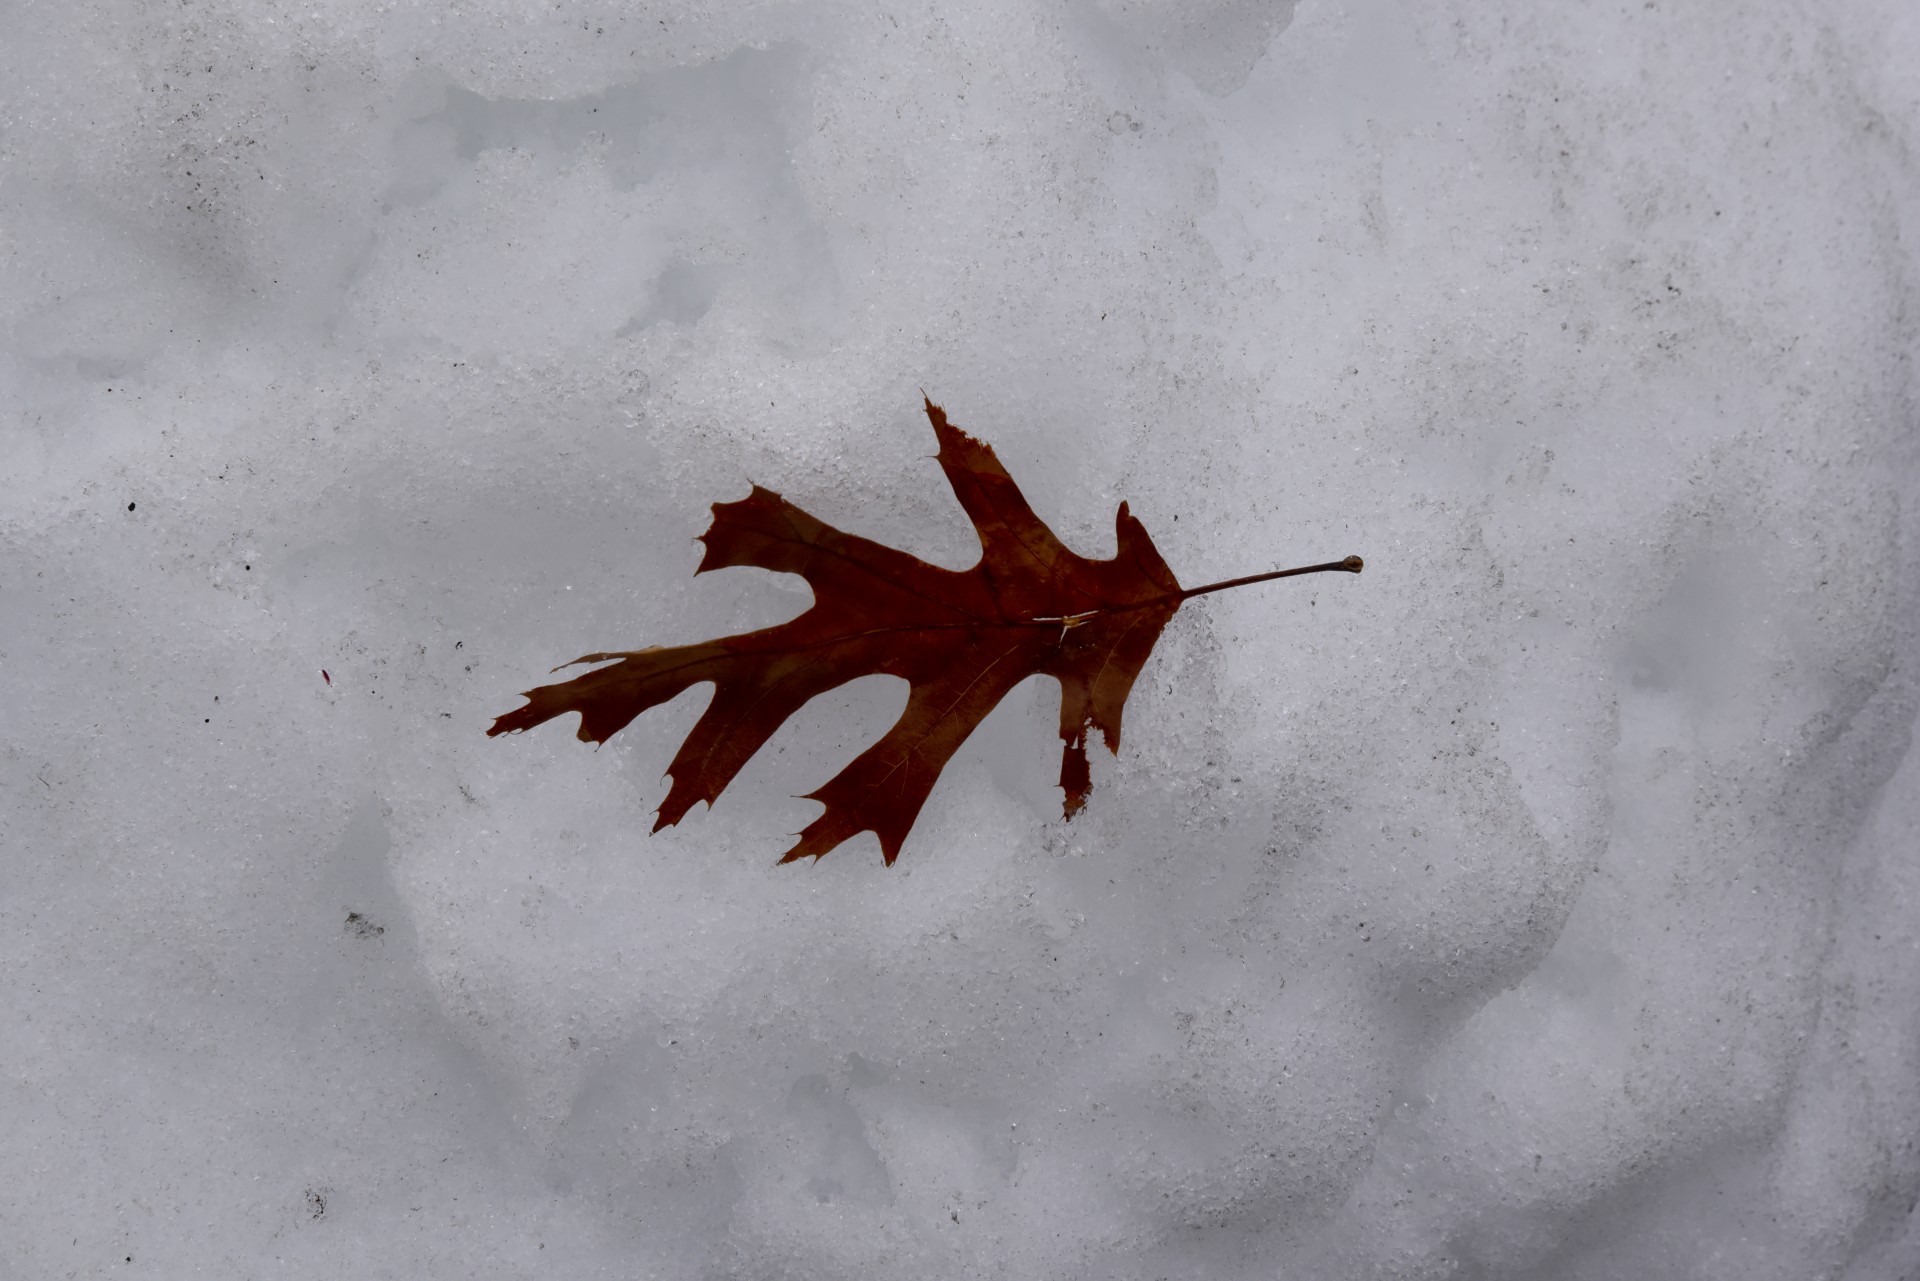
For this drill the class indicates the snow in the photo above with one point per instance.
(1542, 902)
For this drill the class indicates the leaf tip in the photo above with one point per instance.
(513, 722)
(1076, 779)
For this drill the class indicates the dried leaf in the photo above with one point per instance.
(961, 639)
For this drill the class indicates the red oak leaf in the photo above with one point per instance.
(961, 639)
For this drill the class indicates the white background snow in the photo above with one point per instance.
(1542, 903)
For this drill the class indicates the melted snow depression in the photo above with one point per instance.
(1543, 902)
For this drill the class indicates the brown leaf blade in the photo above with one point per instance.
(961, 639)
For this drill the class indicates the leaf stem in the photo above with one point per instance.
(1352, 565)
(1067, 622)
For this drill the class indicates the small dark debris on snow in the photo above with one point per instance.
(362, 928)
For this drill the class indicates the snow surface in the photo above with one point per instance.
(1542, 903)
